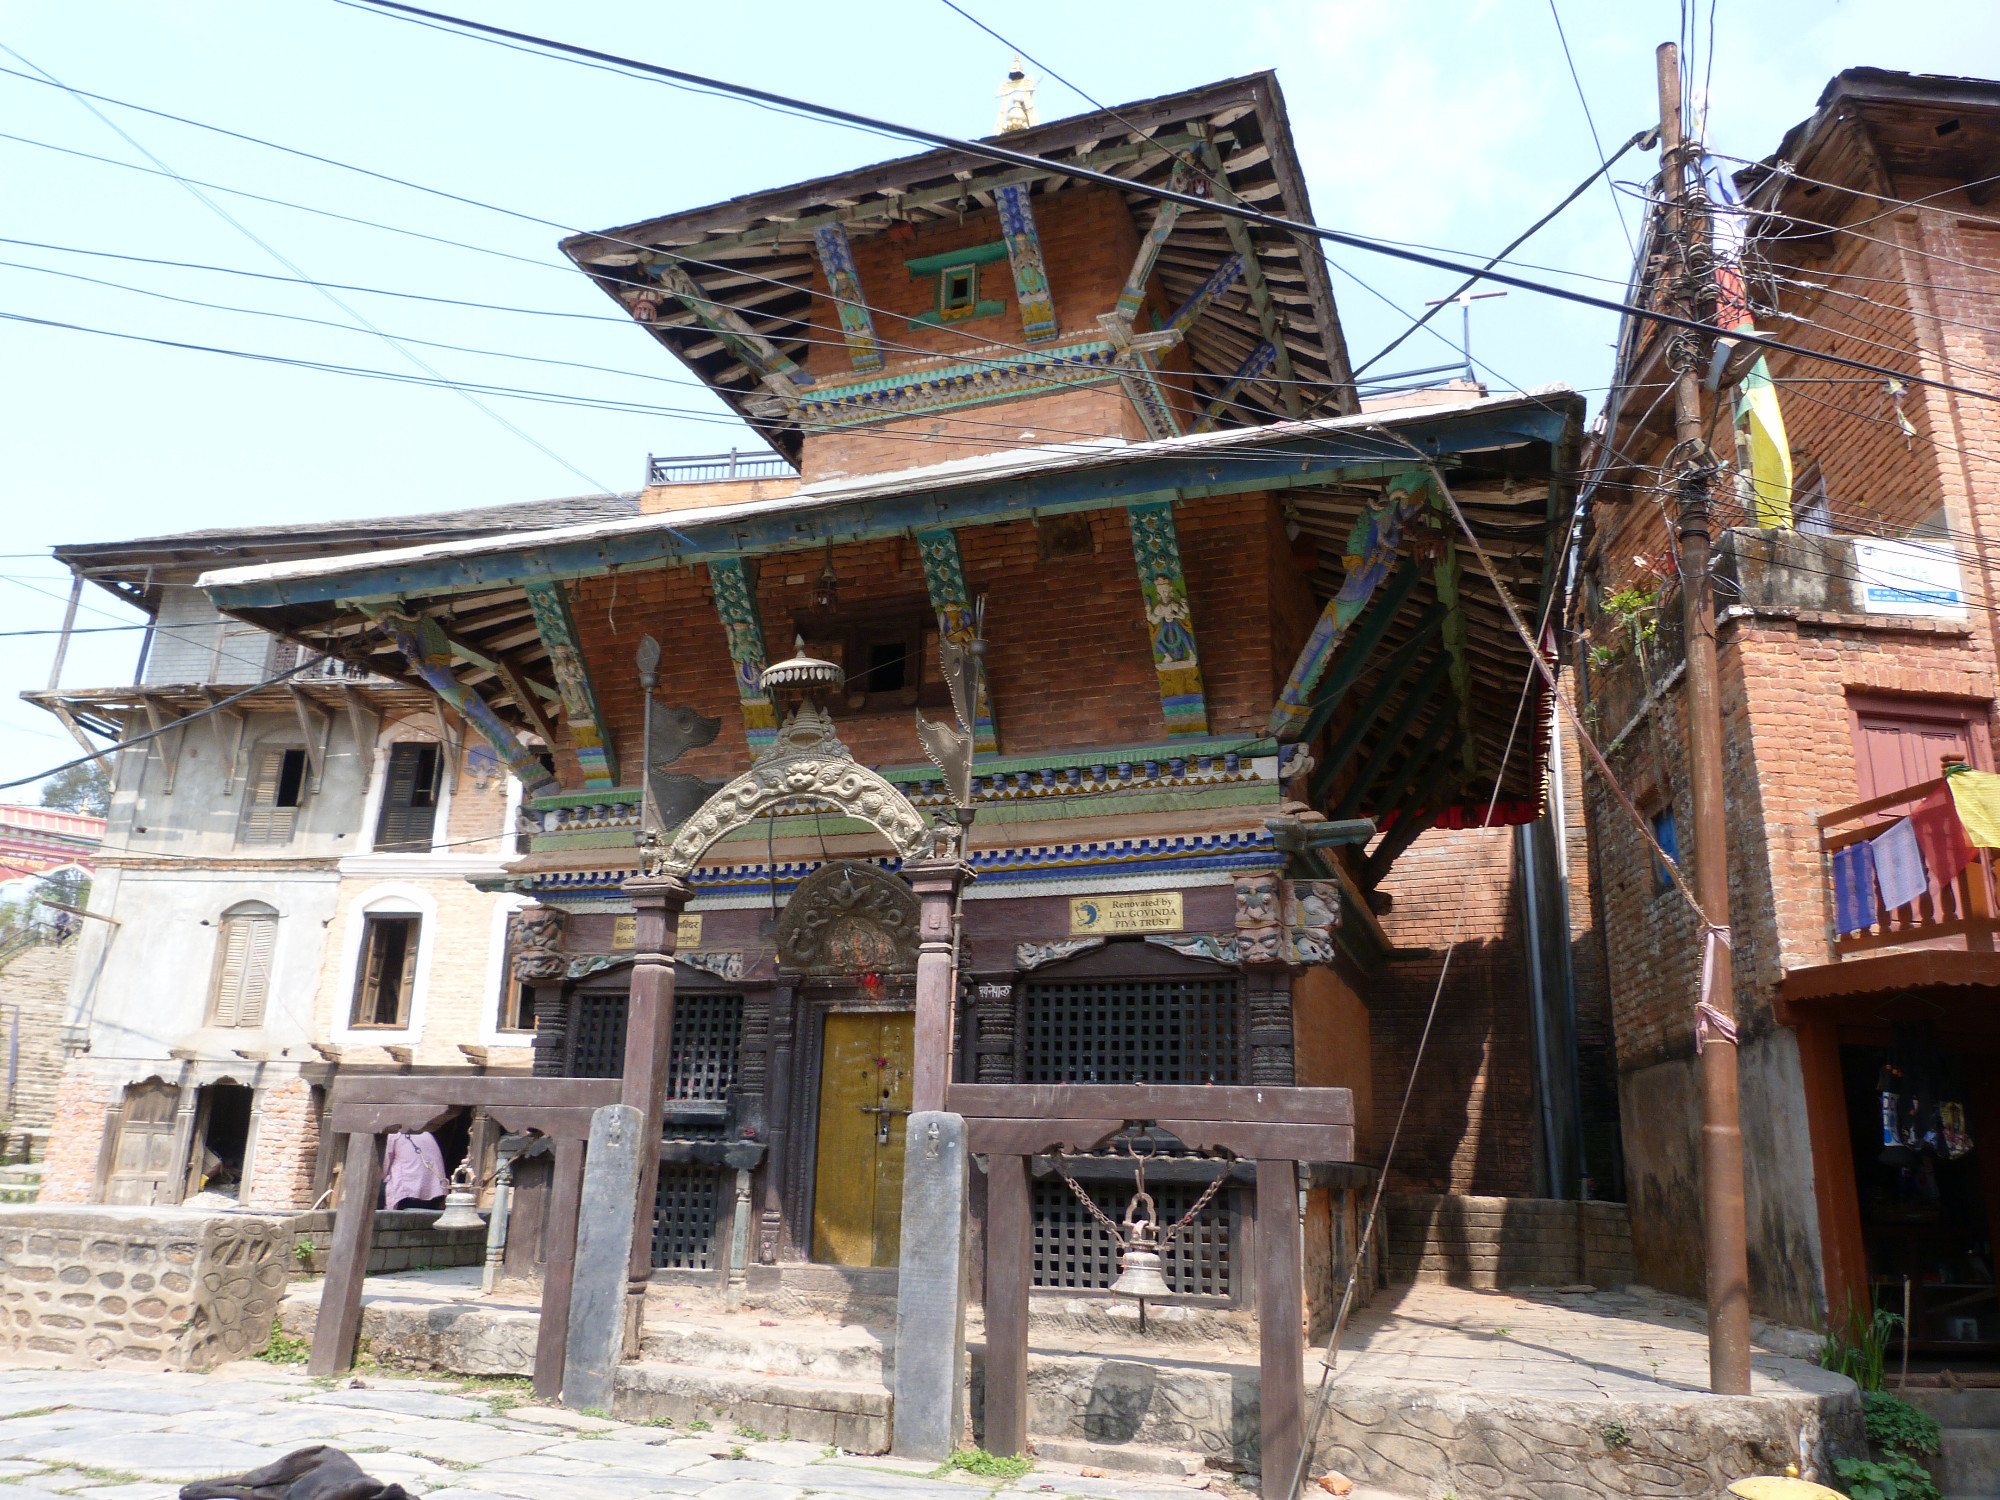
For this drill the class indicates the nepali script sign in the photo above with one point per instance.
(1909, 578)
(1106, 916)
(687, 933)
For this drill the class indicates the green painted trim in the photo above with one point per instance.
(951, 260)
(938, 320)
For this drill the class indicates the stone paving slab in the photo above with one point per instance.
(411, 1404)
(141, 1491)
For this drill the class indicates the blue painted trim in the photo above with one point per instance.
(1278, 465)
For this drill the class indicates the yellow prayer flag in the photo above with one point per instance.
(1770, 454)
(1976, 794)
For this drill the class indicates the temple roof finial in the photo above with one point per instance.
(1017, 100)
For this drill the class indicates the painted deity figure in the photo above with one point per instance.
(1173, 639)
(747, 650)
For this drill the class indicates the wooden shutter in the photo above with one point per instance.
(234, 943)
(409, 801)
(256, 981)
(412, 930)
(264, 822)
(370, 984)
(1903, 742)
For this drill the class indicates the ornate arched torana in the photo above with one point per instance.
(849, 918)
(808, 764)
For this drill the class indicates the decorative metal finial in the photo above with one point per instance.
(648, 662)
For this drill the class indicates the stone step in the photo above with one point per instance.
(1970, 1463)
(27, 1171)
(851, 1414)
(794, 1349)
(19, 1192)
(1960, 1408)
(1120, 1458)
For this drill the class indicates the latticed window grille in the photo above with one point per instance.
(1073, 1250)
(1131, 1031)
(684, 1215)
(701, 1058)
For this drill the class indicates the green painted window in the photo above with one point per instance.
(958, 292)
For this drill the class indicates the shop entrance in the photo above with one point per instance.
(1924, 1149)
(864, 1098)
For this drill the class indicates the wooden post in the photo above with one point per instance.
(347, 1261)
(937, 884)
(1009, 1252)
(649, 1026)
(559, 1271)
(777, 1111)
(1281, 1334)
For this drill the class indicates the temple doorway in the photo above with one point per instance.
(864, 1097)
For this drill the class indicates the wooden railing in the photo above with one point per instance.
(1959, 908)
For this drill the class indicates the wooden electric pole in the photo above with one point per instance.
(1693, 471)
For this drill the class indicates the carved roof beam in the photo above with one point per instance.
(843, 280)
(776, 371)
(1259, 360)
(1155, 241)
(1024, 255)
(1253, 278)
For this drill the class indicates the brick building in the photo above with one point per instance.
(1857, 656)
(263, 861)
(1115, 444)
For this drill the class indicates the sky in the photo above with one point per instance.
(1441, 123)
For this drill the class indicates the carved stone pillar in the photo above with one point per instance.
(995, 1013)
(1267, 1030)
(777, 1116)
(649, 1026)
(937, 883)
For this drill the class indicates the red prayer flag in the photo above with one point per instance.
(1941, 836)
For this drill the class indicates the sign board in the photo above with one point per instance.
(1106, 916)
(1909, 578)
(625, 932)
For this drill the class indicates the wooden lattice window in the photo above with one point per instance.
(1159, 1030)
(1073, 1251)
(276, 790)
(701, 1054)
(684, 1215)
(387, 973)
(244, 943)
(409, 800)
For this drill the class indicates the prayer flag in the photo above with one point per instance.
(1941, 837)
(1899, 866)
(1976, 795)
(1770, 454)
(1854, 888)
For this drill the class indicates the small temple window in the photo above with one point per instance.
(958, 292)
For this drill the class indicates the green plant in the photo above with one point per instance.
(598, 1412)
(1615, 1434)
(1860, 1348)
(753, 1434)
(985, 1465)
(1503, 1331)
(1896, 1477)
(698, 1425)
(284, 1349)
(736, 1451)
(303, 1249)
(1896, 1426)
(654, 1422)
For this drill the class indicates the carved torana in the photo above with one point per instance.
(849, 918)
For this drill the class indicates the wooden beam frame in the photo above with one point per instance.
(231, 748)
(1420, 698)
(1259, 289)
(1134, 292)
(170, 744)
(1414, 814)
(364, 723)
(1218, 281)
(746, 343)
(1394, 675)
(595, 755)
(743, 626)
(1163, 593)
(1353, 659)
(944, 577)
(422, 643)
(843, 280)
(1254, 365)
(1024, 254)
(1445, 577)
(313, 718)
(524, 699)
(1443, 729)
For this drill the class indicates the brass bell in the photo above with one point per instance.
(461, 1209)
(1139, 1275)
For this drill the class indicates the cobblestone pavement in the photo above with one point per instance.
(137, 1435)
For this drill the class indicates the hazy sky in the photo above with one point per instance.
(1446, 124)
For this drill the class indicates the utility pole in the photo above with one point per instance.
(1694, 469)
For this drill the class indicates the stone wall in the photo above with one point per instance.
(171, 1289)
(1497, 1242)
(404, 1240)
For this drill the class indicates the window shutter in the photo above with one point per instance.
(229, 972)
(412, 932)
(264, 822)
(371, 975)
(256, 981)
(409, 808)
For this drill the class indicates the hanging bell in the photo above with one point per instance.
(461, 1209)
(1139, 1268)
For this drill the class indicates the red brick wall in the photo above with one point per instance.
(287, 1143)
(69, 1172)
(1069, 656)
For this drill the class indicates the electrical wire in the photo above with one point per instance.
(1604, 164)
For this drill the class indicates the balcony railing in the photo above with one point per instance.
(1960, 908)
(713, 468)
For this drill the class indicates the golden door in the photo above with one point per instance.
(864, 1099)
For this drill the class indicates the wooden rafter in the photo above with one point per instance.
(1414, 703)
(1253, 278)
(1393, 676)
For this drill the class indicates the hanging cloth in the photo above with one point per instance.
(1976, 795)
(1770, 455)
(1941, 836)
(1899, 865)
(1854, 888)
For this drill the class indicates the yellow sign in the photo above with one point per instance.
(625, 931)
(1103, 916)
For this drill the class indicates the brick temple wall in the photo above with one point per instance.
(1497, 1242)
